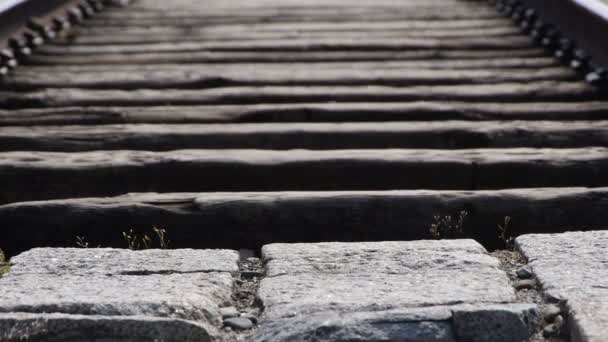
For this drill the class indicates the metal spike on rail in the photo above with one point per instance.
(7, 57)
(96, 5)
(528, 20)
(61, 24)
(33, 39)
(581, 61)
(19, 47)
(86, 10)
(538, 31)
(564, 51)
(75, 15)
(550, 38)
(45, 31)
(598, 77)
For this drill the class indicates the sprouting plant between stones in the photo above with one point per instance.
(161, 234)
(448, 226)
(505, 235)
(138, 242)
(135, 241)
(4, 266)
(82, 242)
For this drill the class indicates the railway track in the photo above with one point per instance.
(241, 124)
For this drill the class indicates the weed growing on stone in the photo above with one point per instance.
(448, 226)
(161, 234)
(4, 266)
(82, 242)
(137, 242)
(505, 235)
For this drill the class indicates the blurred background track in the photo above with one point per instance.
(242, 104)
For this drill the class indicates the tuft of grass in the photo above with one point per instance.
(161, 234)
(4, 266)
(505, 235)
(136, 241)
(143, 241)
(82, 242)
(448, 226)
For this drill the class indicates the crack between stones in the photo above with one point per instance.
(246, 305)
(554, 314)
(167, 272)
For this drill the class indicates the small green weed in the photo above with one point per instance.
(505, 235)
(143, 241)
(448, 226)
(82, 242)
(136, 241)
(4, 266)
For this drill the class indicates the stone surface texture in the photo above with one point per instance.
(573, 268)
(36, 327)
(71, 261)
(94, 293)
(419, 291)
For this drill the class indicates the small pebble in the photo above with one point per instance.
(525, 284)
(555, 328)
(550, 312)
(550, 330)
(250, 317)
(253, 260)
(524, 272)
(228, 312)
(238, 323)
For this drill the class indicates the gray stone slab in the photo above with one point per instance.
(195, 296)
(61, 327)
(573, 267)
(166, 286)
(416, 325)
(419, 291)
(108, 261)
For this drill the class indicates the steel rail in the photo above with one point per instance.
(574, 31)
(26, 24)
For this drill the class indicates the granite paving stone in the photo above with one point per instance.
(445, 290)
(36, 327)
(72, 261)
(95, 293)
(572, 268)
